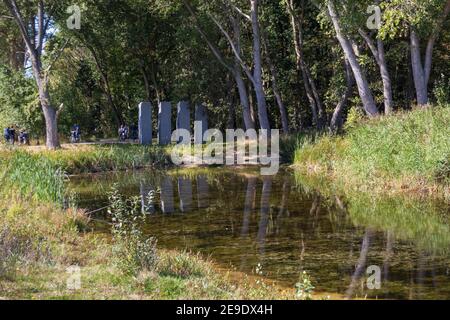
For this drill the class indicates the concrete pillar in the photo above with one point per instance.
(165, 123)
(185, 193)
(201, 123)
(183, 119)
(167, 202)
(145, 123)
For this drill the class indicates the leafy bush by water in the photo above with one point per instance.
(135, 252)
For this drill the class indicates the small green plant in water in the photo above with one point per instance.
(304, 288)
(135, 252)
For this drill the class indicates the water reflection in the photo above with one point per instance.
(147, 191)
(246, 220)
(185, 194)
(167, 200)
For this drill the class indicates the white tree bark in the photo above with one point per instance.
(34, 47)
(257, 67)
(361, 80)
(422, 71)
(380, 58)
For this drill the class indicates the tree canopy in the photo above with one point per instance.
(289, 64)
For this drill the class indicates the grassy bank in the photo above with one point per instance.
(38, 245)
(100, 158)
(407, 152)
(41, 242)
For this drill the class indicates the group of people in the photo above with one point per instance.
(9, 134)
(75, 134)
(126, 133)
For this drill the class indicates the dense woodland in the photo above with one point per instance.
(297, 65)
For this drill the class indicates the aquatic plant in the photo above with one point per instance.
(304, 287)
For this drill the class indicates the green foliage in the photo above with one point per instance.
(441, 90)
(32, 176)
(304, 288)
(18, 101)
(182, 265)
(355, 117)
(135, 252)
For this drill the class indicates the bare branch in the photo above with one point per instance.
(49, 68)
(41, 24)
(13, 8)
(233, 47)
(246, 16)
(371, 45)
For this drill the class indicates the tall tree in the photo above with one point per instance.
(315, 102)
(347, 46)
(34, 32)
(424, 20)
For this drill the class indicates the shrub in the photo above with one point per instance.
(134, 251)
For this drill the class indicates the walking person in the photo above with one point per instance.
(6, 134)
(12, 135)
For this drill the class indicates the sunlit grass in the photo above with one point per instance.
(404, 151)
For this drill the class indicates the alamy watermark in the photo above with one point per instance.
(374, 22)
(236, 147)
(74, 21)
(74, 281)
(374, 278)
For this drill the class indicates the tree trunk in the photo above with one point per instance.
(257, 73)
(317, 110)
(236, 69)
(275, 89)
(146, 84)
(363, 85)
(386, 77)
(245, 102)
(231, 121)
(337, 119)
(418, 71)
(34, 45)
(380, 57)
(249, 121)
(51, 119)
(422, 72)
(117, 115)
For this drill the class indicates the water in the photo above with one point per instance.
(243, 220)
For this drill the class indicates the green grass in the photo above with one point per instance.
(100, 158)
(405, 151)
(33, 176)
(41, 175)
(39, 242)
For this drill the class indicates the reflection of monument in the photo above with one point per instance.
(167, 202)
(185, 193)
(147, 192)
(202, 192)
